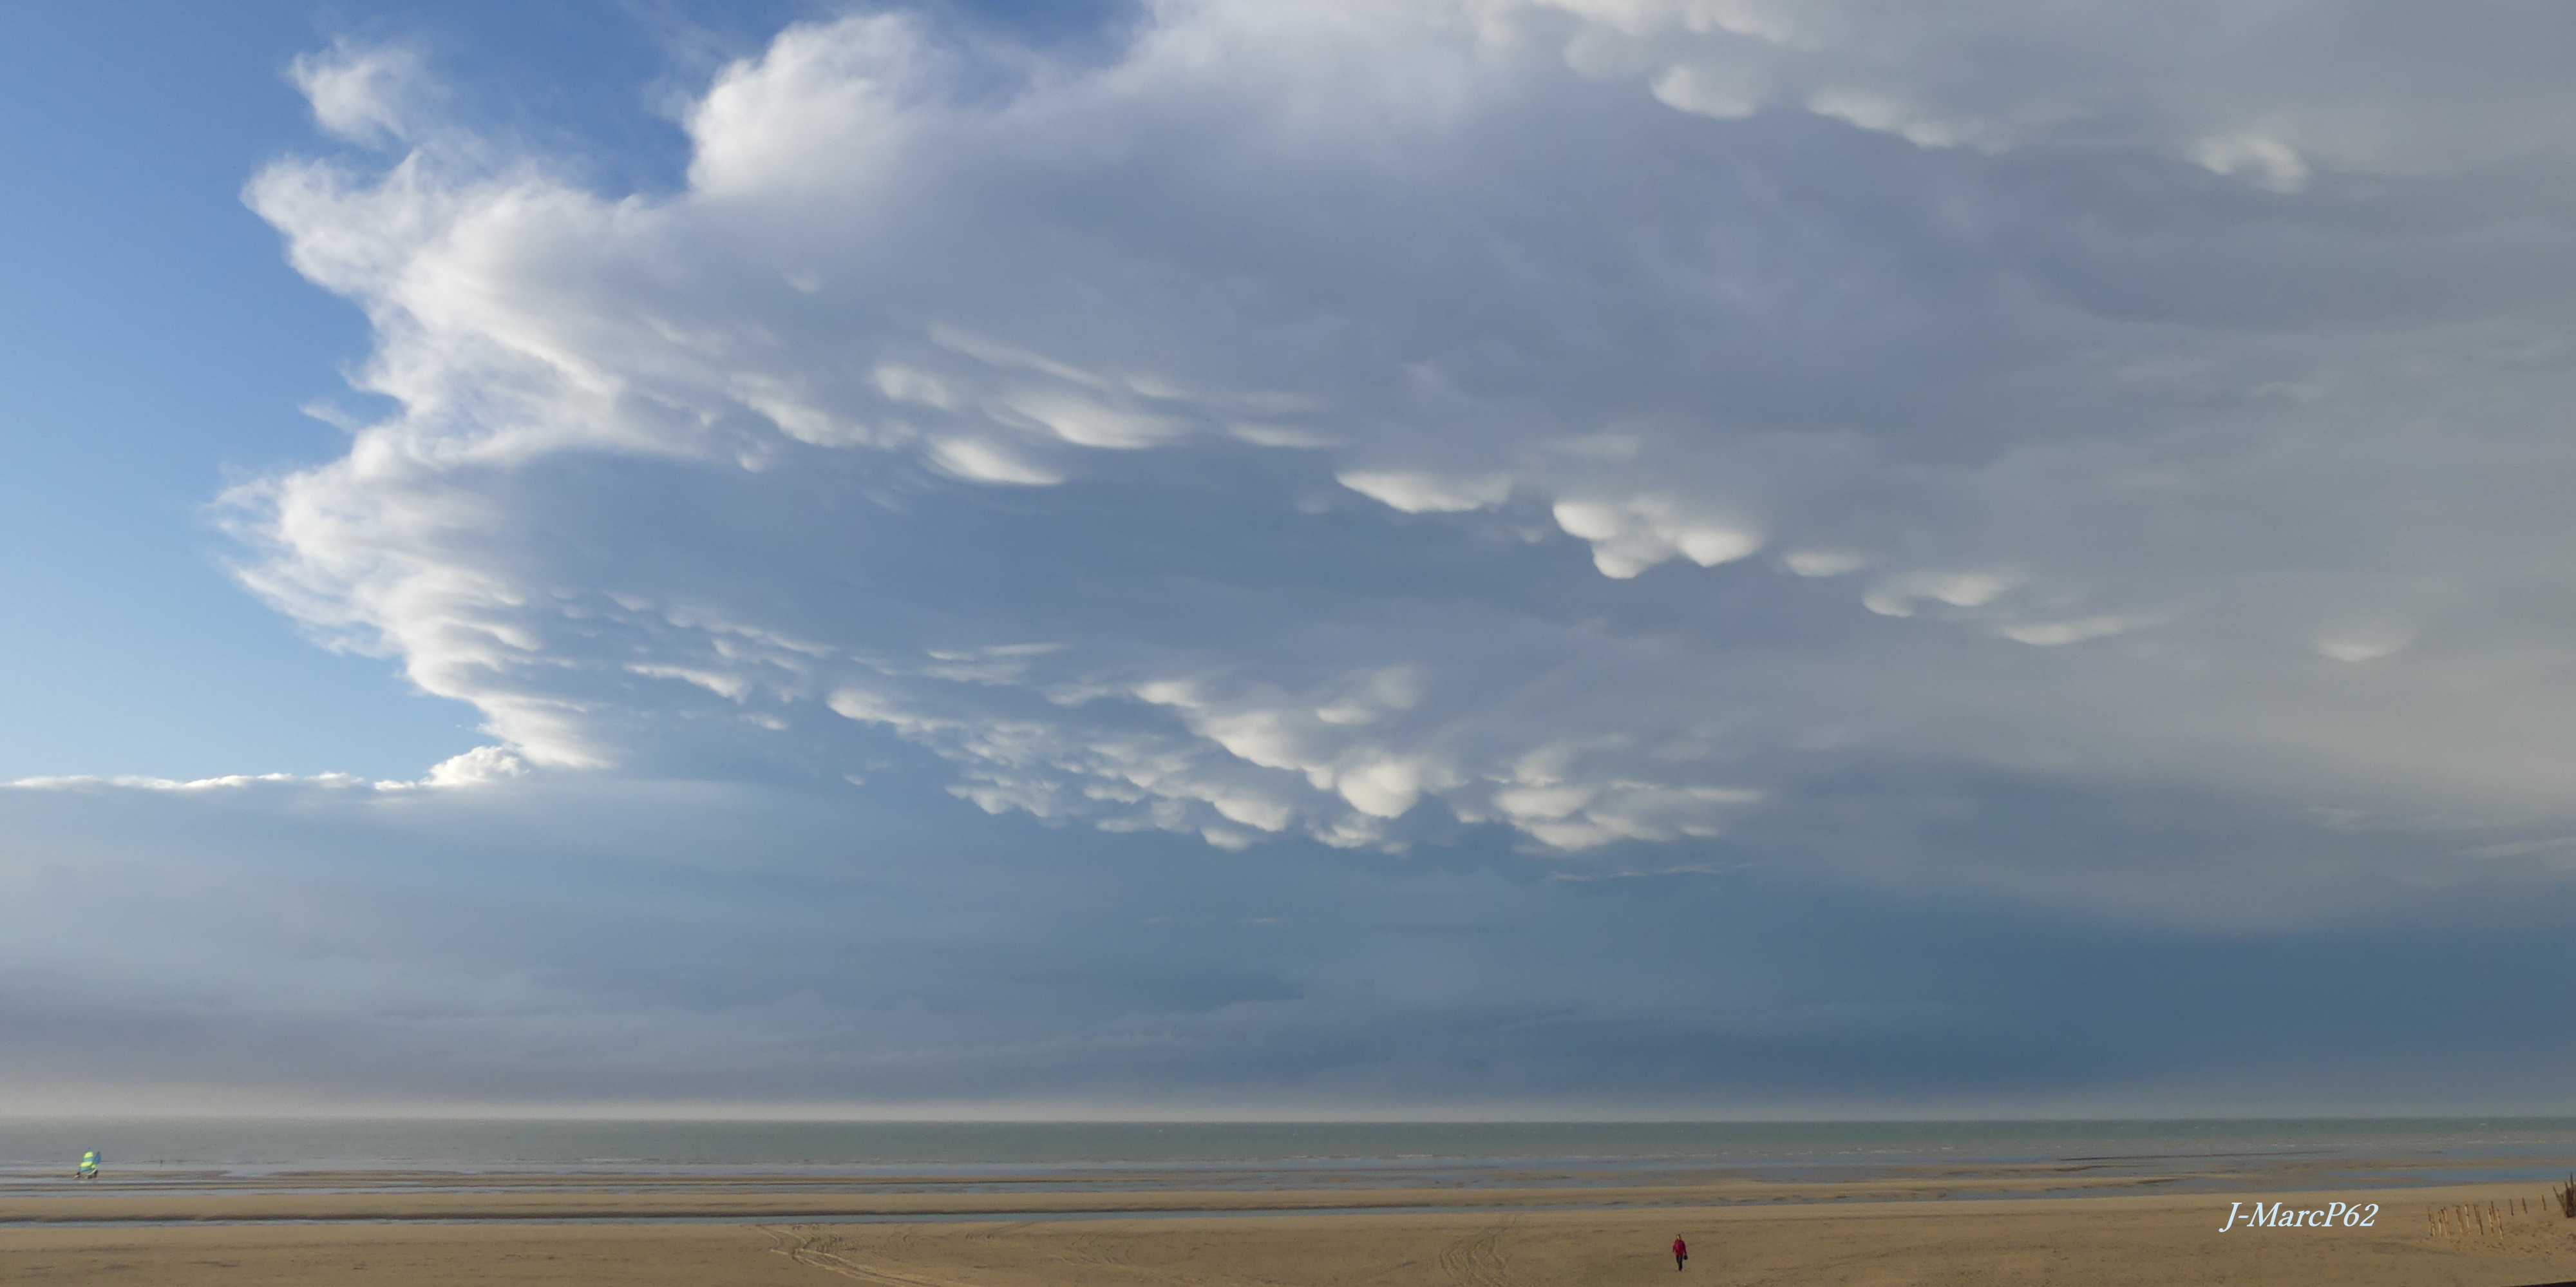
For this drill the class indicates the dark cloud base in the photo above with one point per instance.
(334, 948)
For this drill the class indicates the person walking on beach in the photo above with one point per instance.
(1681, 1252)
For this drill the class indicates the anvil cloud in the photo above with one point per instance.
(1367, 420)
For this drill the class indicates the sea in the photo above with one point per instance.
(2374, 1150)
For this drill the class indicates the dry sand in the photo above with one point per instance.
(506, 1236)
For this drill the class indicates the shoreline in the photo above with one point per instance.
(373, 1198)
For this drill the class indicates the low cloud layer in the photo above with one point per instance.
(615, 945)
(2074, 463)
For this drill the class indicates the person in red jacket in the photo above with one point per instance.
(1681, 1252)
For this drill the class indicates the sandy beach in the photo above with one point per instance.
(351, 1231)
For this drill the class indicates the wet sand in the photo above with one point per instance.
(352, 1231)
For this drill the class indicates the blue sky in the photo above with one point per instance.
(137, 378)
(1528, 557)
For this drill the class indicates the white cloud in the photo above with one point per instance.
(482, 765)
(2358, 649)
(475, 767)
(1824, 562)
(982, 461)
(1897, 595)
(2275, 164)
(2052, 634)
(1416, 493)
(367, 94)
(1631, 536)
(1709, 92)
(230, 781)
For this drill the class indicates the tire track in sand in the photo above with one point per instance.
(814, 1249)
(1478, 1260)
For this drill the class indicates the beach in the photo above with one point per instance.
(1925, 1226)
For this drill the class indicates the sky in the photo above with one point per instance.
(1429, 558)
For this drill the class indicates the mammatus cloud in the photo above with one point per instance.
(1599, 420)
(2273, 98)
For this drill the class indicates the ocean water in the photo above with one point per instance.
(2505, 1147)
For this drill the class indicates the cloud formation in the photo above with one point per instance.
(1640, 557)
(1611, 421)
